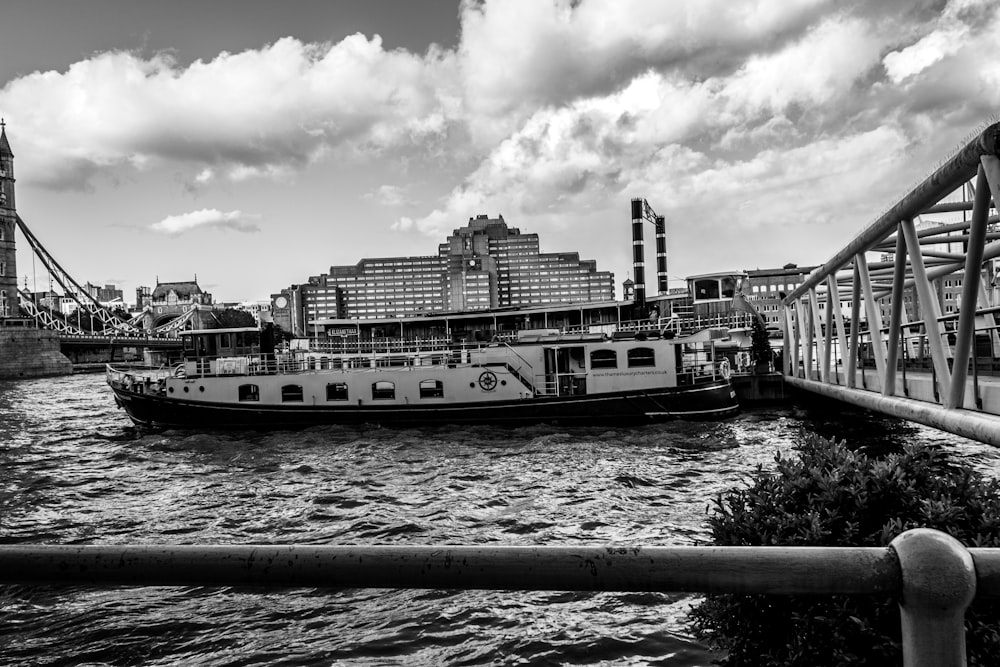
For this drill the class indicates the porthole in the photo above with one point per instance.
(201, 388)
(186, 390)
(503, 383)
(170, 389)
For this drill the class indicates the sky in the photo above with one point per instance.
(255, 144)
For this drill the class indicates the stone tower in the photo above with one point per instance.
(25, 351)
(8, 223)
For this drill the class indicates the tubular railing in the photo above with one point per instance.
(931, 574)
(921, 258)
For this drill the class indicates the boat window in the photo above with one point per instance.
(249, 392)
(291, 393)
(604, 359)
(336, 391)
(225, 340)
(383, 390)
(641, 356)
(431, 389)
(706, 289)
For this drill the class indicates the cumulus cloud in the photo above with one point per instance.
(799, 124)
(206, 218)
(518, 55)
(256, 113)
(390, 195)
(740, 115)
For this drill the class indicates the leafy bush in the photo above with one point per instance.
(829, 495)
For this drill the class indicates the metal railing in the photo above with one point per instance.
(933, 576)
(920, 260)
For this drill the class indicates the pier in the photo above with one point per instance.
(825, 354)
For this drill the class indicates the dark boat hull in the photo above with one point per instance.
(710, 400)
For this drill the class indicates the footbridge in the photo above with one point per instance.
(902, 319)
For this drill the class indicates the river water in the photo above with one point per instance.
(74, 471)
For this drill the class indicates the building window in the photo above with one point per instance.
(291, 393)
(383, 390)
(641, 356)
(336, 391)
(431, 389)
(249, 392)
(604, 359)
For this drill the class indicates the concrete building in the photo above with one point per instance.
(482, 266)
(143, 297)
(106, 294)
(763, 288)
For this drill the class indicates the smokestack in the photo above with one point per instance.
(661, 255)
(638, 252)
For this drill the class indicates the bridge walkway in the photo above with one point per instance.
(889, 296)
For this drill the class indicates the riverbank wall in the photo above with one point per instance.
(27, 352)
(760, 388)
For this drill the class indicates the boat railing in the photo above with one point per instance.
(560, 384)
(386, 346)
(520, 368)
(700, 365)
(120, 373)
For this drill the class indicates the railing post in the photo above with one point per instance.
(939, 582)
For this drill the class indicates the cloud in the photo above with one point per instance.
(237, 221)
(519, 55)
(390, 195)
(734, 117)
(258, 113)
(800, 139)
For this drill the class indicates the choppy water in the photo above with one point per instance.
(73, 470)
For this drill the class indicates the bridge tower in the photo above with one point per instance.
(25, 351)
(8, 223)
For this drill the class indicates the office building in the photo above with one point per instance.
(482, 266)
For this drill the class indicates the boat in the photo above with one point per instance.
(229, 379)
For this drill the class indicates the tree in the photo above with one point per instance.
(831, 496)
(760, 346)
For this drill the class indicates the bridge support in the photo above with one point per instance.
(29, 352)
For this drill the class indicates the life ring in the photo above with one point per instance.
(179, 371)
(724, 370)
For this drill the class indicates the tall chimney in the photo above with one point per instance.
(638, 252)
(662, 285)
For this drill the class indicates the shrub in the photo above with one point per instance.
(829, 495)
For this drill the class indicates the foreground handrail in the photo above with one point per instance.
(778, 570)
(933, 575)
